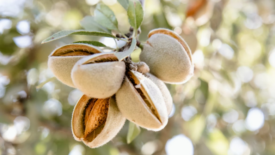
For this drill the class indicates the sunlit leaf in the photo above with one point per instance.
(89, 23)
(62, 34)
(45, 82)
(133, 132)
(124, 54)
(217, 142)
(113, 151)
(135, 13)
(195, 127)
(105, 17)
(210, 103)
(124, 3)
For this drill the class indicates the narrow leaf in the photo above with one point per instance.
(62, 34)
(45, 82)
(135, 13)
(105, 17)
(133, 132)
(95, 43)
(124, 3)
(124, 54)
(204, 88)
(89, 23)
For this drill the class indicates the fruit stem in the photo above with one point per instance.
(124, 36)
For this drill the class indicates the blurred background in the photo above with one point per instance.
(227, 108)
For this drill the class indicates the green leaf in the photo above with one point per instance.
(217, 142)
(105, 17)
(45, 82)
(89, 23)
(135, 13)
(94, 43)
(204, 89)
(124, 3)
(124, 54)
(133, 132)
(62, 34)
(195, 127)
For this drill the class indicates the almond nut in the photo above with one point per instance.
(96, 121)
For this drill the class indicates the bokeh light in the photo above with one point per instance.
(255, 119)
(23, 41)
(5, 24)
(179, 144)
(52, 107)
(188, 112)
(23, 27)
(238, 147)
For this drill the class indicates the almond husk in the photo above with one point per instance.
(99, 75)
(168, 56)
(96, 121)
(164, 91)
(62, 60)
(141, 102)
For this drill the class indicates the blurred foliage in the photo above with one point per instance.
(228, 107)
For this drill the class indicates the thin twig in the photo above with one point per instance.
(45, 82)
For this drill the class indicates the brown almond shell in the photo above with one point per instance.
(103, 134)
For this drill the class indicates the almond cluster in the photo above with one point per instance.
(114, 91)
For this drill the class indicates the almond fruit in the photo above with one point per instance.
(62, 60)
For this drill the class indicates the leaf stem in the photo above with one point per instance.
(134, 34)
